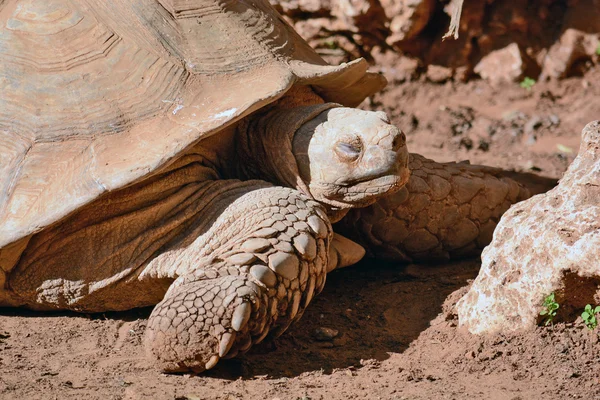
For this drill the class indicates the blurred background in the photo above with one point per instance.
(514, 90)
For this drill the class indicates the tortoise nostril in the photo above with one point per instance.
(399, 141)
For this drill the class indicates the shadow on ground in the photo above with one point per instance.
(378, 308)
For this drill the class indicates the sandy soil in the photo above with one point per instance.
(397, 336)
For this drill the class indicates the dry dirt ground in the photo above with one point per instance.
(397, 336)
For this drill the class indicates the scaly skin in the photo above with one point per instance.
(261, 279)
(255, 282)
(242, 258)
(446, 210)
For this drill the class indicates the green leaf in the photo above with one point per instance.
(588, 308)
(597, 310)
(564, 149)
(585, 315)
(543, 312)
(527, 83)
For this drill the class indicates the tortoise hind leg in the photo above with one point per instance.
(257, 280)
(445, 211)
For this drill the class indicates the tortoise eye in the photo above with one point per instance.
(348, 151)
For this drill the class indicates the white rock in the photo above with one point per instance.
(547, 244)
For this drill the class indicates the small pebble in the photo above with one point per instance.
(323, 334)
(533, 124)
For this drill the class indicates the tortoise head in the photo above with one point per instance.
(341, 157)
(349, 157)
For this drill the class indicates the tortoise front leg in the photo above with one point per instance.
(446, 210)
(252, 273)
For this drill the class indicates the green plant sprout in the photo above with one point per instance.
(527, 83)
(549, 309)
(598, 49)
(589, 316)
(331, 44)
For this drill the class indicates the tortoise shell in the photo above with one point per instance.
(96, 95)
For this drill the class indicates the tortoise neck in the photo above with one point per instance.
(265, 145)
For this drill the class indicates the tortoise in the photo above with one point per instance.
(194, 155)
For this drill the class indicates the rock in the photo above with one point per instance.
(311, 29)
(323, 334)
(484, 145)
(502, 66)
(546, 244)
(407, 17)
(533, 124)
(365, 16)
(573, 46)
(438, 74)
(297, 7)
(345, 29)
(340, 30)
(465, 142)
(395, 67)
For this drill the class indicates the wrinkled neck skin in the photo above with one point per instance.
(343, 158)
(265, 147)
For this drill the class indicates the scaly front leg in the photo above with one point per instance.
(253, 272)
(445, 211)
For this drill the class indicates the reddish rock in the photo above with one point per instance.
(502, 66)
(345, 29)
(395, 67)
(407, 17)
(365, 16)
(573, 46)
(438, 73)
(294, 8)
